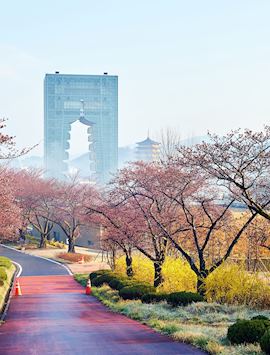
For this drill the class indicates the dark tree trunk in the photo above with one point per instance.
(201, 285)
(71, 245)
(158, 273)
(129, 265)
(43, 240)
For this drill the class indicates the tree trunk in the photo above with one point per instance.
(158, 273)
(129, 268)
(71, 245)
(43, 240)
(201, 285)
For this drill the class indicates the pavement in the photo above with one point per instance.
(32, 265)
(54, 316)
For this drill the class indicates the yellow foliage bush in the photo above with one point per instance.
(176, 273)
(232, 284)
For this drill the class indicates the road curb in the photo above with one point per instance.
(40, 257)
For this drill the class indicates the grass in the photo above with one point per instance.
(5, 287)
(201, 324)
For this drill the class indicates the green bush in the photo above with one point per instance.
(3, 274)
(95, 274)
(154, 297)
(183, 298)
(102, 279)
(265, 342)
(260, 317)
(247, 331)
(5, 262)
(118, 283)
(135, 291)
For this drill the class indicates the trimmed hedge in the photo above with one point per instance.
(183, 298)
(95, 274)
(135, 291)
(154, 297)
(119, 283)
(265, 342)
(3, 274)
(5, 262)
(247, 331)
(102, 279)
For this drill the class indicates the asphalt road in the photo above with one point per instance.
(31, 265)
(54, 316)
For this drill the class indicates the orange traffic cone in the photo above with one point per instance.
(88, 288)
(18, 291)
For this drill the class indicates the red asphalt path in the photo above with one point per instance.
(54, 316)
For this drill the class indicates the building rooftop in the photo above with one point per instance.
(148, 141)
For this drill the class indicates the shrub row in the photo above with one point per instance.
(133, 289)
(5, 262)
(256, 330)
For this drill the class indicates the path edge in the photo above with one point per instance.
(40, 257)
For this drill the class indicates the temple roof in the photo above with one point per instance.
(148, 141)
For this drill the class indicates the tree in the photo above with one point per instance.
(35, 196)
(120, 223)
(185, 207)
(10, 217)
(10, 213)
(240, 161)
(139, 185)
(8, 148)
(69, 208)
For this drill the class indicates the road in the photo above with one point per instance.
(54, 316)
(32, 265)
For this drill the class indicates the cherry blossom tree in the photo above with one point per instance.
(10, 213)
(121, 224)
(139, 184)
(69, 208)
(240, 161)
(35, 196)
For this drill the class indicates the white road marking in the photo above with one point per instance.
(40, 257)
(19, 267)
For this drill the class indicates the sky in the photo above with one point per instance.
(193, 65)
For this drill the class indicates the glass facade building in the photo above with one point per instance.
(63, 96)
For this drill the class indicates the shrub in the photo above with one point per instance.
(3, 274)
(95, 274)
(5, 262)
(260, 317)
(232, 284)
(81, 278)
(177, 274)
(102, 279)
(119, 283)
(183, 298)
(265, 342)
(135, 291)
(74, 257)
(154, 297)
(246, 331)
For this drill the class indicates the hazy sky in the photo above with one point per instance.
(188, 64)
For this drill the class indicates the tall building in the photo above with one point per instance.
(92, 101)
(148, 150)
